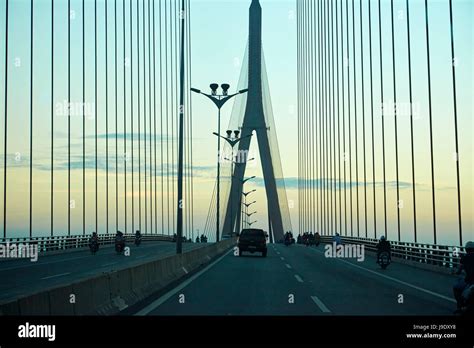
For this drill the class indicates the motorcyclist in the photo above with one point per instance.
(317, 238)
(94, 240)
(337, 239)
(311, 238)
(383, 245)
(466, 264)
(306, 238)
(287, 238)
(94, 237)
(138, 237)
(119, 237)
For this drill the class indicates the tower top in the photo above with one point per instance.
(255, 2)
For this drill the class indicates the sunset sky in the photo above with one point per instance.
(219, 38)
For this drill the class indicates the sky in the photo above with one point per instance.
(218, 40)
(442, 118)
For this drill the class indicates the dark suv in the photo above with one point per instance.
(252, 240)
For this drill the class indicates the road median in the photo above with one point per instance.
(112, 292)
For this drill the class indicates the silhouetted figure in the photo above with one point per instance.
(94, 242)
(138, 238)
(337, 239)
(466, 264)
(119, 242)
(317, 239)
(382, 246)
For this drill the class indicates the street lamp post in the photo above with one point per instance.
(179, 214)
(243, 183)
(245, 201)
(233, 142)
(246, 209)
(219, 100)
(251, 223)
(249, 215)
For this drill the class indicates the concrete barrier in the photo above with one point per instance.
(61, 301)
(37, 304)
(10, 308)
(112, 292)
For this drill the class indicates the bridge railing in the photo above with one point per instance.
(428, 254)
(58, 243)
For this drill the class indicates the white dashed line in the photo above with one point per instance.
(298, 278)
(57, 275)
(397, 280)
(320, 304)
(288, 266)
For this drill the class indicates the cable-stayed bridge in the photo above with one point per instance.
(383, 148)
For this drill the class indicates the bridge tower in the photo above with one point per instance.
(254, 120)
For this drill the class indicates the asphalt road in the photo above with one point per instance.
(22, 277)
(299, 280)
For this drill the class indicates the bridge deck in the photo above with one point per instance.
(23, 277)
(252, 285)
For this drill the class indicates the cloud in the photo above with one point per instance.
(293, 182)
(208, 172)
(128, 136)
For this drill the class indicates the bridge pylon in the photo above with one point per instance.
(254, 120)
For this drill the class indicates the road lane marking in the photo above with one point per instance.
(288, 266)
(56, 275)
(282, 258)
(155, 304)
(298, 278)
(404, 283)
(320, 304)
(397, 280)
(41, 263)
(185, 270)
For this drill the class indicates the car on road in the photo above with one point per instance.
(252, 240)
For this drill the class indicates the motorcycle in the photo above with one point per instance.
(138, 240)
(119, 244)
(94, 246)
(384, 259)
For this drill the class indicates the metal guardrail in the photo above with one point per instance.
(57, 243)
(429, 254)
